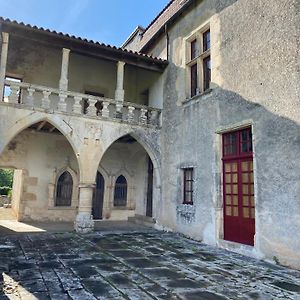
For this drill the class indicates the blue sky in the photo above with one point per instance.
(108, 21)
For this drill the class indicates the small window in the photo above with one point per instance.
(188, 182)
(206, 73)
(237, 143)
(198, 62)
(64, 189)
(206, 40)
(120, 196)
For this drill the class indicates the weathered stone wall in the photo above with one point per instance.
(84, 146)
(41, 65)
(255, 62)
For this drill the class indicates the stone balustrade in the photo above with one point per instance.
(30, 96)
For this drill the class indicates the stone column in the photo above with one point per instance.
(119, 93)
(3, 62)
(63, 82)
(84, 222)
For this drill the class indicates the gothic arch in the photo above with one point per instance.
(148, 148)
(34, 118)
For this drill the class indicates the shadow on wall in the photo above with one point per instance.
(276, 142)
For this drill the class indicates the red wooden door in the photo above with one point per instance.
(238, 187)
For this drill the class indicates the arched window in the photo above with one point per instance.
(64, 190)
(120, 197)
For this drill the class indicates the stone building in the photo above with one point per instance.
(192, 125)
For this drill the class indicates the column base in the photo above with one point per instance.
(84, 223)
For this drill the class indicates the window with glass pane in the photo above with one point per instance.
(188, 181)
(206, 40)
(206, 73)
(246, 141)
(194, 80)
(194, 49)
(230, 144)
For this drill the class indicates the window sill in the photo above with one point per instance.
(198, 96)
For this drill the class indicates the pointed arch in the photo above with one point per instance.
(154, 155)
(33, 118)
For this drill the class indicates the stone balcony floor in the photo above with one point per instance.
(138, 264)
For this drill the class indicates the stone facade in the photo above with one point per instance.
(254, 82)
(254, 50)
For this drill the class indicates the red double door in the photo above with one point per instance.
(238, 187)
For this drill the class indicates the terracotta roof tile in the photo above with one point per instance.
(14, 22)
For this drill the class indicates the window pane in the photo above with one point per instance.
(230, 141)
(194, 49)
(246, 140)
(206, 40)
(194, 80)
(235, 211)
(206, 72)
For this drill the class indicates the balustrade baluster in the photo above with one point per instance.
(30, 98)
(154, 117)
(77, 107)
(62, 104)
(105, 110)
(143, 116)
(92, 110)
(119, 107)
(130, 116)
(45, 99)
(14, 94)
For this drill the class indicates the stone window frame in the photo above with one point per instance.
(185, 190)
(198, 60)
(181, 169)
(130, 202)
(53, 186)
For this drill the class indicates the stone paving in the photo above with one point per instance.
(136, 265)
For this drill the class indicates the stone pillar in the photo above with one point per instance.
(3, 62)
(84, 222)
(63, 82)
(119, 93)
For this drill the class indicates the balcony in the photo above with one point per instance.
(51, 100)
(51, 72)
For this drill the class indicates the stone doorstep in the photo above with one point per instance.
(142, 220)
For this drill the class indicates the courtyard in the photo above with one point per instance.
(133, 262)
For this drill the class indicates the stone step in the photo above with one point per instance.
(142, 220)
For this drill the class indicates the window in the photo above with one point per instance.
(188, 181)
(64, 190)
(237, 143)
(120, 196)
(199, 62)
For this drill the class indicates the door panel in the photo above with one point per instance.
(239, 203)
(98, 197)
